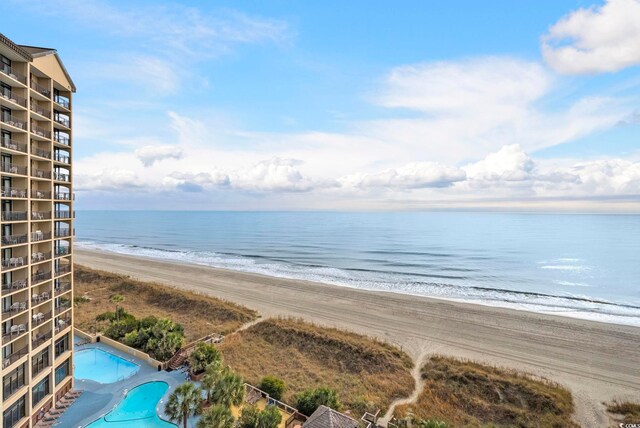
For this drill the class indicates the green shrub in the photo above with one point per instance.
(310, 399)
(202, 356)
(431, 423)
(273, 386)
(251, 417)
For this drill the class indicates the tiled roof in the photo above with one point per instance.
(325, 417)
(18, 49)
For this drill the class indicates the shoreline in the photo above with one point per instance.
(597, 361)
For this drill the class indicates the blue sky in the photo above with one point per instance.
(349, 105)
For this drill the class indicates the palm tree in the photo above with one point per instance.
(212, 375)
(185, 401)
(228, 390)
(115, 299)
(217, 416)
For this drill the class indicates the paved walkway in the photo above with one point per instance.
(98, 399)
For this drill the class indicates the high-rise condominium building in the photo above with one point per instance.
(37, 231)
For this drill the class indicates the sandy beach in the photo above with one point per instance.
(596, 361)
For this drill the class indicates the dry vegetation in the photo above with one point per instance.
(366, 373)
(463, 393)
(200, 315)
(625, 411)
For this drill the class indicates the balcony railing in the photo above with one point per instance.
(45, 133)
(59, 157)
(41, 111)
(41, 89)
(63, 269)
(40, 338)
(14, 239)
(15, 309)
(40, 194)
(38, 257)
(62, 121)
(17, 330)
(63, 196)
(63, 214)
(62, 251)
(62, 322)
(39, 277)
(41, 153)
(12, 385)
(41, 173)
(10, 96)
(61, 176)
(13, 145)
(62, 287)
(13, 262)
(62, 233)
(18, 284)
(62, 139)
(15, 75)
(62, 307)
(39, 318)
(62, 101)
(13, 121)
(14, 215)
(12, 168)
(13, 192)
(6, 362)
(39, 235)
(40, 215)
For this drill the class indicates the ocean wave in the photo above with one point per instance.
(414, 284)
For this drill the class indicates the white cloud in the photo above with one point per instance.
(109, 179)
(510, 163)
(149, 155)
(596, 39)
(416, 175)
(275, 174)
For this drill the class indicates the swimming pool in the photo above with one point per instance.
(101, 366)
(137, 409)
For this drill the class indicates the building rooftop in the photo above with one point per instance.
(326, 417)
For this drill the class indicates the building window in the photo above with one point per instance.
(5, 63)
(13, 414)
(40, 391)
(62, 371)
(13, 382)
(62, 345)
(40, 361)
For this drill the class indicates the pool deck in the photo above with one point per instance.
(98, 399)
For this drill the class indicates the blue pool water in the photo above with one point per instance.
(137, 409)
(101, 366)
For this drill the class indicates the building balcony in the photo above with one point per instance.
(63, 196)
(41, 111)
(11, 168)
(62, 322)
(61, 176)
(39, 235)
(37, 299)
(62, 233)
(13, 262)
(18, 284)
(63, 307)
(62, 101)
(40, 338)
(40, 194)
(62, 121)
(62, 158)
(62, 251)
(13, 121)
(63, 270)
(64, 214)
(13, 192)
(41, 173)
(13, 145)
(38, 257)
(13, 98)
(16, 308)
(14, 216)
(14, 239)
(42, 90)
(62, 287)
(12, 73)
(40, 153)
(16, 331)
(40, 131)
(39, 277)
(15, 356)
(62, 139)
(41, 215)
(40, 318)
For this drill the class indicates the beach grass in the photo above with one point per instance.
(366, 373)
(199, 314)
(626, 411)
(468, 394)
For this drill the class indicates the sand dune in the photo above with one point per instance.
(596, 361)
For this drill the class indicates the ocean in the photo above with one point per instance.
(578, 265)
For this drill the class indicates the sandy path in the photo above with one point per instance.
(597, 361)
